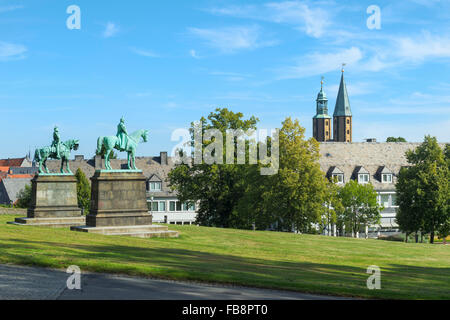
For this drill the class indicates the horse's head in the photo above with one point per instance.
(72, 144)
(145, 135)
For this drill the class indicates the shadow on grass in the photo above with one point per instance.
(398, 281)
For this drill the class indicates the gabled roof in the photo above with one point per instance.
(334, 170)
(14, 186)
(16, 162)
(342, 108)
(360, 170)
(384, 170)
(154, 178)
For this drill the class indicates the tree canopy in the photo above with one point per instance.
(423, 190)
(83, 190)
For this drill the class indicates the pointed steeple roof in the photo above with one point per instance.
(342, 108)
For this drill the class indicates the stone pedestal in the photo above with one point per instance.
(119, 206)
(54, 202)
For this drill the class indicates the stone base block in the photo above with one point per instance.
(54, 196)
(50, 222)
(149, 231)
(118, 198)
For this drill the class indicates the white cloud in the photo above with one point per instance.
(320, 63)
(313, 20)
(423, 47)
(194, 54)
(111, 30)
(145, 53)
(11, 51)
(10, 8)
(231, 39)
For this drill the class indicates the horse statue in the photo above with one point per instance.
(41, 155)
(113, 142)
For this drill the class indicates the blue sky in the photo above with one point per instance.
(163, 64)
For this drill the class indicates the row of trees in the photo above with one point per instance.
(297, 198)
(423, 193)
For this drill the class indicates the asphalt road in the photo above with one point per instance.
(30, 283)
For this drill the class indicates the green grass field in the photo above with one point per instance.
(305, 263)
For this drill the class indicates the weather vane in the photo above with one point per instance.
(343, 65)
(321, 82)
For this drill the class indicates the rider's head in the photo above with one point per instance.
(56, 129)
(122, 120)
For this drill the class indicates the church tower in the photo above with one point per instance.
(342, 125)
(322, 121)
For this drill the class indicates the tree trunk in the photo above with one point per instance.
(417, 237)
(406, 237)
(432, 237)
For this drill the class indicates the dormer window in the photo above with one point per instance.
(335, 174)
(155, 186)
(338, 177)
(363, 178)
(386, 178)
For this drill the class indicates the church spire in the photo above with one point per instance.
(342, 117)
(322, 121)
(342, 108)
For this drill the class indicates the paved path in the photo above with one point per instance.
(20, 283)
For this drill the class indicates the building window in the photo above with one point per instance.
(348, 131)
(178, 206)
(386, 178)
(339, 177)
(192, 207)
(348, 121)
(155, 186)
(172, 205)
(363, 178)
(384, 199)
(162, 206)
(394, 200)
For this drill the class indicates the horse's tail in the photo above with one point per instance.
(99, 144)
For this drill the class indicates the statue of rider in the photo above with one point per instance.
(56, 142)
(122, 134)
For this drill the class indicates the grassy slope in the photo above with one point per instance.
(304, 263)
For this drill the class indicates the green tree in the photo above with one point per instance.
(333, 206)
(217, 187)
(426, 184)
(409, 217)
(360, 206)
(393, 139)
(24, 197)
(83, 190)
(102, 152)
(293, 199)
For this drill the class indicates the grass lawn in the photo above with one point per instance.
(306, 263)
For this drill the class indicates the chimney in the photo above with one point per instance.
(163, 159)
(98, 162)
(79, 158)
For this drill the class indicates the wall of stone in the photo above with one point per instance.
(8, 211)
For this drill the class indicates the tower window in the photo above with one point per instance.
(348, 121)
(348, 131)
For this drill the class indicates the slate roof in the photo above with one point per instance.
(373, 157)
(14, 186)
